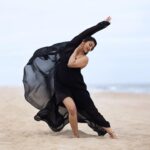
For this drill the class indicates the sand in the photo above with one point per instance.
(129, 115)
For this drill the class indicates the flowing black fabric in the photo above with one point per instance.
(38, 76)
(47, 81)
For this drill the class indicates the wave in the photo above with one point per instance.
(125, 88)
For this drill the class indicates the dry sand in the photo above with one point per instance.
(129, 115)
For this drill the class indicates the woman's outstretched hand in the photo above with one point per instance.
(108, 19)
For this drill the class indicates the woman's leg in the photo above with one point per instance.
(71, 107)
(85, 103)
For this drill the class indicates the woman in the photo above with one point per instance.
(70, 91)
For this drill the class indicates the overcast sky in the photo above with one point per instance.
(121, 56)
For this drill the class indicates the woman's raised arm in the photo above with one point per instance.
(90, 31)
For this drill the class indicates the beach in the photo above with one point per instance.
(128, 114)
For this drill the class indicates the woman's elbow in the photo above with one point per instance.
(70, 65)
(74, 65)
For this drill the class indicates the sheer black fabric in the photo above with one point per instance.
(47, 78)
(38, 76)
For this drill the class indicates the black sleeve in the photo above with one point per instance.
(88, 32)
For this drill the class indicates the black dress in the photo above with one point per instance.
(61, 82)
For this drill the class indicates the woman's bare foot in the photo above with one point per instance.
(76, 136)
(111, 133)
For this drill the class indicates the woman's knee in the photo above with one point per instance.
(70, 105)
(72, 111)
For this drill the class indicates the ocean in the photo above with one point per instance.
(123, 88)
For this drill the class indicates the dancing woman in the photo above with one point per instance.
(70, 101)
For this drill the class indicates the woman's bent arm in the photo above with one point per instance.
(78, 62)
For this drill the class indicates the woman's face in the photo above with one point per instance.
(88, 46)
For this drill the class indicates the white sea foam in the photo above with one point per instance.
(121, 88)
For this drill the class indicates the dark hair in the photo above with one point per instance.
(90, 38)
